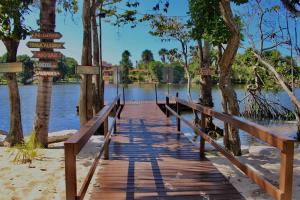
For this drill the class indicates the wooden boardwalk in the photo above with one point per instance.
(149, 160)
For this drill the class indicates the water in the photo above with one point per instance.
(65, 99)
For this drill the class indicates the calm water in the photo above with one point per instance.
(65, 98)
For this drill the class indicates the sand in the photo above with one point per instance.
(45, 177)
(263, 159)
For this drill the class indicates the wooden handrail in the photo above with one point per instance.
(284, 144)
(74, 145)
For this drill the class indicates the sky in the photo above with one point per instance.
(115, 40)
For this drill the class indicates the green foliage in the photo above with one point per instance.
(24, 153)
(125, 64)
(156, 68)
(12, 19)
(207, 21)
(178, 71)
(27, 74)
(147, 56)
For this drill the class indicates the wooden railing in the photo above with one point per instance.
(74, 145)
(284, 144)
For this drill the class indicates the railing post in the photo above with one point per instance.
(118, 106)
(123, 95)
(167, 104)
(202, 140)
(286, 170)
(106, 147)
(178, 112)
(70, 172)
(156, 94)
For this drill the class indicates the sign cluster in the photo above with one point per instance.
(47, 58)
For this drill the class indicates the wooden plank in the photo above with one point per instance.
(42, 35)
(49, 65)
(46, 45)
(149, 160)
(47, 55)
(14, 67)
(87, 70)
(46, 73)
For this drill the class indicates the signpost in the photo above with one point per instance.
(46, 45)
(14, 67)
(206, 71)
(47, 73)
(41, 35)
(50, 65)
(47, 55)
(91, 70)
(48, 59)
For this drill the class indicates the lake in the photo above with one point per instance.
(65, 99)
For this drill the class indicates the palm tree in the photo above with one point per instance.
(147, 57)
(163, 53)
(42, 115)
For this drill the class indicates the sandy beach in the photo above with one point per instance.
(45, 177)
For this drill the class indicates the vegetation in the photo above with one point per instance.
(126, 65)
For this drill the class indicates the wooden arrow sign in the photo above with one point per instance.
(46, 45)
(51, 65)
(47, 73)
(87, 70)
(41, 35)
(14, 67)
(47, 55)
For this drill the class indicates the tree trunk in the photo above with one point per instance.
(96, 78)
(43, 102)
(205, 83)
(86, 85)
(229, 99)
(15, 135)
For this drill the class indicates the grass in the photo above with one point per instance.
(24, 153)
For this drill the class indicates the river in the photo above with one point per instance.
(65, 99)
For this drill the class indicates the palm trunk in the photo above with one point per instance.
(86, 85)
(15, 135)
(96, 79)
(43, 102)
(229, 98)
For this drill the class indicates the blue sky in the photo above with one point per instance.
(115, 40)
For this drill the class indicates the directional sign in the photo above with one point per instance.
(47, 55)
(11, 67)
(87, 70)
(206, 71)
(41, 35)
(46, 45)
(47, 73)
(51, 65)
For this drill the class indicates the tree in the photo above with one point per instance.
(26, 76)
(13, 30)
(214, 22)
(125, 64)
(147, 57)
(271, 38)
(163, 54)
(171, 28)
(155, 68)
(43, 102)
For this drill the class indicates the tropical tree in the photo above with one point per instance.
(13, 30)
(147, 57)
(214, 22)
(163, 54)
(126, 65)
(172, 28)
